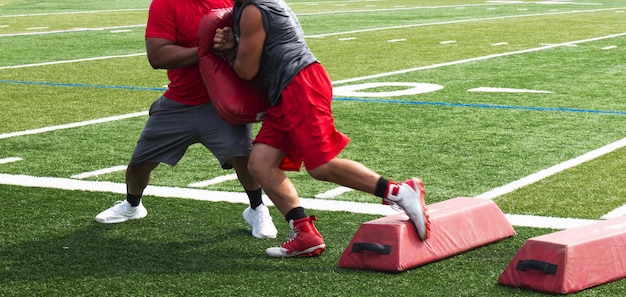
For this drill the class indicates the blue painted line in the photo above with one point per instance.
(560, 109)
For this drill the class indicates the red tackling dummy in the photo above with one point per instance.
(237, 101)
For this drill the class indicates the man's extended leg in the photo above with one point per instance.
(305, 240)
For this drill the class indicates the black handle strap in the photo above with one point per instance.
(544, 267)
(371, 246)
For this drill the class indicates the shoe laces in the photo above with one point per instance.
(262, 218)
(293, 234)
(118, 204)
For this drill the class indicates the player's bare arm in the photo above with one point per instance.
(250, 47)
(165, 54)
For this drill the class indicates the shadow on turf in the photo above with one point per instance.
(98, 250)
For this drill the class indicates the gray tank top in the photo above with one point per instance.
(285, 52)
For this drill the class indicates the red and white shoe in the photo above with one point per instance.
(305, 240)
(409, 195)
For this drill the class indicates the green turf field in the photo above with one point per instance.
(527, 108)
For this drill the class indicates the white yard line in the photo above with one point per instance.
(213, 181)
(71, 12)
(333, 192)
(530, 50)
(114, 28)
(10, 160)
(99, 172)
(242, 198)
(336, 12)
(71, 61)
(458, 22)
(535, 177)
(73, 125)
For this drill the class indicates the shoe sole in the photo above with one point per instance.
(421, 219)
(118, 220)
(140, 215)
(424, 231)
(310, 252)
(263, 236)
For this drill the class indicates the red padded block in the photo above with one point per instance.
(236, 100)
(571, 260)
(391, 243)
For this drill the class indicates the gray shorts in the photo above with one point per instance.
(172, 127)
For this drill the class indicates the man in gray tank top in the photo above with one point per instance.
(267, 40)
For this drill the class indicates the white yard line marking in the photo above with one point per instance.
(176, 192)
(71, 61)
(71, 12)
(396, 8)
(506, 90)
(10, 160)
(214, 181)
(242, 198)
(609, 47)
(499, 43)
(336, 12)
(69, 30)
(616, 213)
(333, 193)
(546, 222)
(121, 31)
(73, 125)
(99, 172)
(455, 22)
(549, 46)
(535, 177)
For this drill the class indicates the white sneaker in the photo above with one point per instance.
(120, 212)
(409, 195)
(260, 221)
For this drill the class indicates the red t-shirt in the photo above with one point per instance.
(178, 21)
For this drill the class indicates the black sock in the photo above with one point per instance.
(295, 214)
(134, 200)
(381, 187)
(255, 197)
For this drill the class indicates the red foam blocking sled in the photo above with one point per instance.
(391, 243)
(571, 260)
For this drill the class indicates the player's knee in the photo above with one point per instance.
(322, 173)
(255, 168)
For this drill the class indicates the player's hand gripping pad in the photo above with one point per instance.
(237, 101)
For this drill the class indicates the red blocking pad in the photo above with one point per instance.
(391, 243)
(236, 100)
(571, 260)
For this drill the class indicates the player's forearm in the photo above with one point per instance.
(173, 56)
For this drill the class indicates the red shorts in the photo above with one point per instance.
(302, 124)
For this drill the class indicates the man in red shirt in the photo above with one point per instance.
(184, 115)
